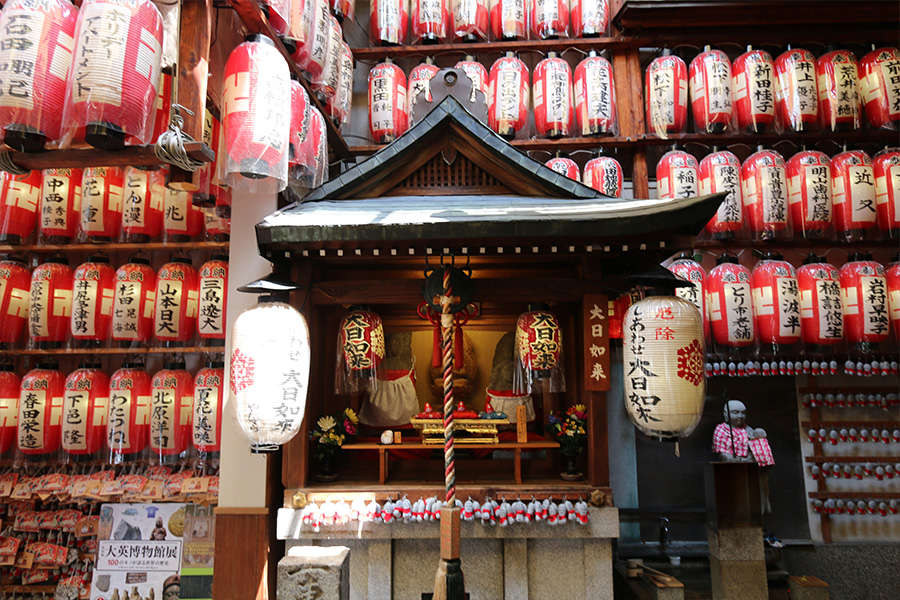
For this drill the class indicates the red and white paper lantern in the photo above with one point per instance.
(60, 205)
(171, 404)
(341, 9)
(595, 96)
(360, 350)
(340, 106)
(128, 418)
(134, 302)
(430, 20)
(209, 383)
(677, 175)
(469, 20)
(218, 227)
(809, 194)
(326, 84)
(666, 85)
(213, 300)
(720, 171)
(796, 90)
(20, 196)
(508, 90)
(50, 302)
(10, 387)
(177, 294)
(711, 103)
(162, 109)
(838, 78)
(564, 166)
(765, 195)
(102, 194)
(879, 86)
(92, 301)
(821, 312)
(590, 18)
(318, 140)
(552, 93)
(311, 35)
(853, 195)
(299, 164)
(15, 293)
(388, 22)
(729, 300)
(538, 350)
(40, 410)
(549, 19)
(776, 302)
(388, 108)
(478, 74)
(604, 174)
(864, 295)
(886, 166)
(143, 198)
(419, 79)
(85, 408)
(279, 15)
(508, 20)
(753, 86)
(892, 276)
(688, 269)
(182, 219)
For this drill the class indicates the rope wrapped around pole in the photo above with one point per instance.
(447, 326)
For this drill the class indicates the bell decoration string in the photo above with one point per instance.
(7, 164)
(170, 145)
(447, 324)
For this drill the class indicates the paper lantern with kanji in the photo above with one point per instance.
(270, 361)
(886, 167)
(508, 96)
(853, 195)
(279, 15)
(821, 312)
(50, 302)
(388, 108)
(765, 195)
(360, 350)
(478, 74)
(666, 86)
(114, 80)
(213, 300)
(10, 387)
(665, 381)
(312, 36)
(838, 78)
(177, 294)
(134, 302)
(776, 302)
(688, 269)
(388, 22)
(753, 86)
(538, 351)
(162, 109)
(469, 20)
(318, 138)
(40, 410)
(326, 84)
(711, 103)
(729, 300)
(429, 20)
(257, 118)
(595, 96)
(19, 199)
(879, 86)
(796, 90)
(564, 166)
(344, 98)
(209, 384)
(677, 174)
(419, 88)
(604, 174)
(864, 295)
(182, 219)
(549, 19)
(508, 20)
(35, 58)
(101, 203)
(554, 108)
(85, 408)
(60, 205)
(590, 18)
(300, 123)
(171, 403)
(892, 277)
(15, 293)
(720, 171)
(342, 9)
(809, 194)
(143, 198)
(92, 301)
(128, 418)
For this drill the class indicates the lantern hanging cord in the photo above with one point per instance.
(447, 348)
(170, 145)
(7, 164)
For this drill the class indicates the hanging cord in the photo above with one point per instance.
(170, 145)
(7, 164)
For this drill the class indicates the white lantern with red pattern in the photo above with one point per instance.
(85, 408)
(879, 86)
(134, 302)
(209, 383)
(213, 300)
(666, 87)
(508, 20)
(177, 295)
(143, 198)
(564, 166)
(864, 296)
(388, 108)
(388, 22)
(171, 404)
(50, 302)
(419, 79)
(796, 90)
(838, 78)
(538, 351)
(604, 174)
(10, 387)
(711, 103)
(15, 293)
(595, 96)
(552, 93)
(508, 92)
(469, 19)
(809, 194)
(677, 175)
(430, 21)
(729, 300)
(720, 171)
(853, 195)
(776, 303)
(753, 86)
(101, 203)
(821, 312)
(765, 195)
(590, 18)
(40, 411)
(690, 270)
(549, 19)
(128, 419)
(60, 205)
(20, 196)
(886, 166)
(92, 301)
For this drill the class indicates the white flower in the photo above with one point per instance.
(326, 423)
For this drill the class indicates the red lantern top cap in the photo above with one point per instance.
(133, 363)
(812, 259)
(258, 38)
(47, 364)
(139, 260)
(772, 255)
(727, 258)
(174, 364)
(16, 258)
(90, 363)
(220, 256)
(215, 363)
(181, 260)
(57, 259)
(858, 256)
(7, 367)
(99, 257)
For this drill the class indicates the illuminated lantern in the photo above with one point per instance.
(886, 166)
(213, 300)
(595, 96)
(85, 407)
(128, 419)
(753, 84)
(19, 199)
(134, 302)
(101, 203)
(590, 18)
(360, 350)
(710, 74)
(10, 387)
(719, 172)
(50, 302)
(143, 198)
(38, 34)
(665, 385)
(60, 205)
(729, 300)
(279, 15)
(776, 302)
(477, 73)
(342, 9)
(419, 79)
(677, 174)
(538, 351)
(552, 93)
(879, 86)
(182, 219)
(838, 91)
(821, 313)
(312, 36)
(388, 21)
(853, 195)
(388, 109)
(430, 20)
(564, 166)
(666, 85)
(257, 92)
(112, 88)
(809, 193)
(550, 19)
(163, 106)
(764, 191)
(177, 294)
(892, 276)
(690, 270)
(796, 90)
(15, 290)
(171, 404)
(270, 361)
(864, 296)
(92, 301)
(469, 20)
(207, 408)
(508, 92)
(604, 174)
(326, 84)
(40, 410)
(508, 20)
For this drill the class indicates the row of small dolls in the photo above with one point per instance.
(837, 471)
(851, 435)
(868, 399)
(859, 507)
(131, 306)
(820, 365)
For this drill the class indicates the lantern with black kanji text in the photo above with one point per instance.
(299, 165)
(508, 20)
(469, 20)
(209, 383)
(821, 309)
(419, 79)
(128, 418)
(879, 86)
(134, 301)
(666, 85)
(539, 351)
(15, 290)
(177, 294)
(796, 90)
(809, 194)
(590, 18)
(388, 22)
(765, 196)
(310, 35)
(39, 425)
(776, 304)
(326, 84)
(19, 199)
(729, 300)
(604, 174)
(429, 20)
(595, 96)
(10, 387)
(564, 166)
(478, 74)
(93, 289)
(508, 91)
(85, 408)
(710, 76)
(720, 171)
(892, 277)
(886, 166)
(182, 219)
(853, 195)
(360, 350)
(388, 107)
(213, 300)
(278, 13)
(346, 91)
(753, 87)
(838, 77)
(143, 197)
(690, 270)
(677, 175)
(35, 59)
(60, 205)
(50, 304)
(554, 107)
(864, 295)
(101, 203)
(549, 19)
(171, 403)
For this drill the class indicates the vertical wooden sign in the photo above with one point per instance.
(521, 425)
(596, 342)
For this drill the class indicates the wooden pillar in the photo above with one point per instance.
(630, 97)
(594, 332)
(242, 554)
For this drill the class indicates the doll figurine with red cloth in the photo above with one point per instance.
(735, 441)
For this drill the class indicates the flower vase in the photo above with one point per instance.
(326, 472)
(570, 468)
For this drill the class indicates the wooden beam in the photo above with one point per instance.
(242, 552)
(133, 156)
(498, 48)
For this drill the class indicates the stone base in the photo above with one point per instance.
(737, 543)
(738, 579)
(314, 572)
(808, 588)
(673, 591)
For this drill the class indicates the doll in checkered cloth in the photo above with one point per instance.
(734, 441)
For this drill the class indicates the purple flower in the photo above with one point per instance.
(554, 420)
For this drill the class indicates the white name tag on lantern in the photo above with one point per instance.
(831, 318)
(728, 179)
(508, 96)
(176, 210)
(546, 10)
(271, 119)
(557, 94)
(429, 11)
(205, 423)
(40, 309)
(75, 420)
(599, 104)
(683, 182)
(818, 207)
(738, 313)
(126, 309)
(862, 193)
(84, 307)
(18, 56)
(32, 415)
(168, 308)
(212, 311)
(718, 82)
(135, 199)
(118, 430)
(890, 69)
(383, 111)
(54, 197)
(803, 83)
(788, 307)
(97, 75)
(162, 421)
(774, 194)
(874, 291)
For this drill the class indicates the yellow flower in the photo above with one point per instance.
(351, 415)
(570, 433)
(580, 408)
(326, 423)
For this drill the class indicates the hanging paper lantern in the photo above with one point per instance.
(665, 383)
(171, 402)
(821, 313)
(892, 277)
(92, 301)
(177, 294)
(342, 9)
(312, 37)
(326, 84)
(477, 73)
(360, 350)
(101, 203)
(279, 15)
(19, 199)
(538, 350)
(163, 107)
(719, 172)
(388, 109)
(128, 419)
(865, 300)
(318, 137)
(754, 90)
(207, 409)
(776, 302)
(809, 193)
(677, 174)
(300, 123)
(113, 85)
(508, 96)
(85, 408)
(50, 302)
(270, 358)
(419, 79)
(796, 90)
(430, 21)
(60, 205)
(550, 19)
(257, 92)
(469, 20)
(342, 103)
(729, 300)
(40, 410)
(595, 96)
(552, 92)
(213, 300)
(764, 191)
(604, 174)
(15, 290)
(688, 269)
(182, 219)
(590, 18)
(666, 83)
(853, 195)
(508, 20)
(218, 228)
(388, 21)
(10, 387)
(35, 58)
(879, 86)
(711, 91)
(838, 91)
(564, 166)
(134, 302)
(143, 197)
(886, 166)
